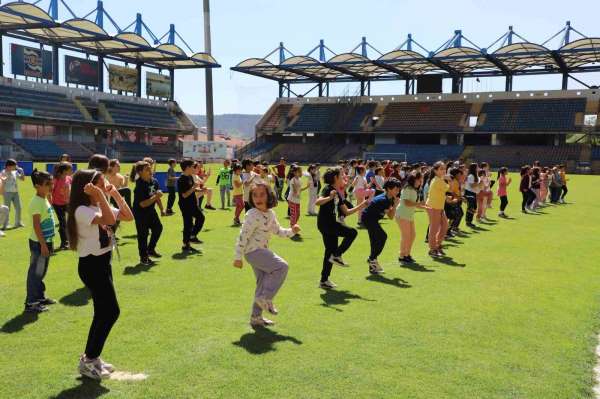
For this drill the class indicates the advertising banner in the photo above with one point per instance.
(122, 78)
(80, 71)
(205, 150)
(158, 85)
(31, 62)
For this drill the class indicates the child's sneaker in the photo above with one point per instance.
(374, 267)
(259, 322)
(2, 234)
(327, 285)
(107, 366)
(35, 308)
(92, 369)
(337, 260)
(47, 301)
(433, 253)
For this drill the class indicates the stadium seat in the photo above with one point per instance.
(515, 156)
(141, 115)
(553, 115)
(416, 152)
(442, 116)
(45, 105)
(331, 117)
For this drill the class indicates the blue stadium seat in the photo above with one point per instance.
(420, 152)
(45, 105)
(141, 115)
(554, 115)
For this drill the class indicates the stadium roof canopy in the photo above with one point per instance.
(452, 59)
(28, 21)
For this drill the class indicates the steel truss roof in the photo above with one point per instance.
(27, 21)
(523, 58)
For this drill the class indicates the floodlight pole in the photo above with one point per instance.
(210, 121)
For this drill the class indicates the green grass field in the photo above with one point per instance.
(514, 315)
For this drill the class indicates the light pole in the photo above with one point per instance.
(210, 121)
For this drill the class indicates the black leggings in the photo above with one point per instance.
(565, 190)
(144, 224)
(61, 214)
(171, 199)
(330, 239)
(471, 205)
(96, 274)
(377, 237)
(528, 198)
(193, 221)
(503, 202)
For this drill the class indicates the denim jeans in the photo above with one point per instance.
(38, 266)
(16, 200)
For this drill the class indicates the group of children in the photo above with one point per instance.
(89, 205)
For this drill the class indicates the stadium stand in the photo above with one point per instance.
(277, 117)
(46, 150)
(41, 104)
(596, 153)
(535, 115)
(514, 156)
(331, 117)
(443, 116)
(140, 115)
(77, 151)
(131, 152)
(298, 152)
(416, 153)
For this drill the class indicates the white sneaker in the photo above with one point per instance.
(259, 321)
(375, 267)
(107, 366)
(92, 369)
(2, 234)
(337, 260)
(327, 285)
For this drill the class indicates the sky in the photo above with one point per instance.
(252, 28)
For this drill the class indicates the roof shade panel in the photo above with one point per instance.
(356, 65)
(266, 69)
(70, 31)
(520, 56)
(21, 15)
(464, 59)
(581, 52)
(408, 61)
(309, 66)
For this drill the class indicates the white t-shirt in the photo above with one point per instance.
(380, 180)
(361, 182)
(248, 178)
(470, 185)
(295, 187)
(93, 239)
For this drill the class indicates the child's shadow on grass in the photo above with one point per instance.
(18, 322)
(86, 389)
(131, 236)
(416, 267)
(449, 261)
(333, 297)
(262, 340)
(186, 254)
(396, 281)
(137, 269)
(79, 297)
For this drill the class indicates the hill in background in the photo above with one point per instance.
(234, 125)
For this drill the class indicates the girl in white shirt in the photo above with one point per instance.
(253, 244)
(294, 195)
(90, 234)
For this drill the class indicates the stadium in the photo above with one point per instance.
(118, 202)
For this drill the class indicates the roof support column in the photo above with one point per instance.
(280, 89)
(172, 75)
(369, 88)
(55, 74)
(138, 91)
(327, 85)
(457, 84)
(320, 89)
(509, 83)
(407, 87)
(565, 81)
(288, 90)
(100, 73)
(1, 56)
(362, 88)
